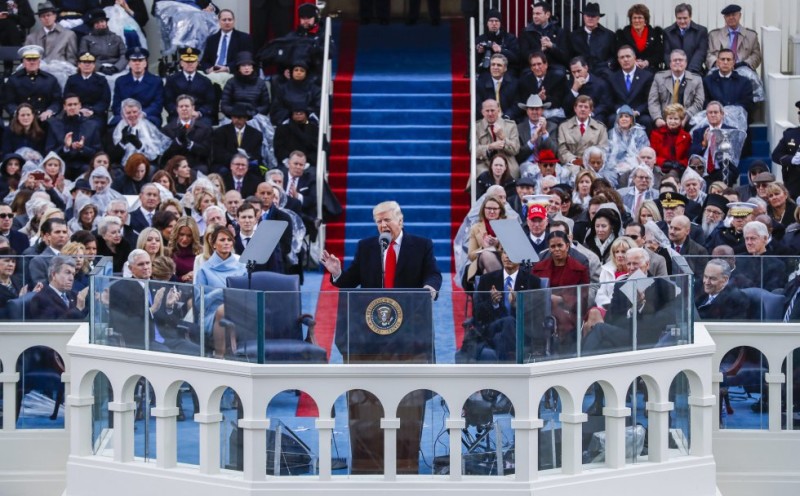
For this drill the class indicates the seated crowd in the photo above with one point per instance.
(153, 176)
(606, 147)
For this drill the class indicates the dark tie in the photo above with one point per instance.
(735, 46)
(678, 248)
(787, 317)
(239, 188)
(390, 267)
(628, 83)
(491, 131)
(246, 241)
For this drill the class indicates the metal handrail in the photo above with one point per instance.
(473, 114)
(324, 127)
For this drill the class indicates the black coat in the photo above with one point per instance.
(48, 305)
(194, 143)
(292, 136)
(80, 127)
(509, 94)
(94, 92)
(729, 304)
(239, 42)
(554, 88)
(694, 43)
(635, 99)
(600, 52)
(42, 91)
(201, 89)
(226, 145)
(653, 51)
(241, 89)
(598, 89)
(783, 153)
(294, 94)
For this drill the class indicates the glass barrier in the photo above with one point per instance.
(757, 288)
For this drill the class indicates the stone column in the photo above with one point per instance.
(254, 453)
(80, 432)
(774, 382)
(166, 436)
(325, 428)
(702, 414)
(9, 380)
(454, 425)
(526, 435)
(572, 442)
(390, 427)
(658, 432)
(123, 430)
(209, 441)
(615, 435)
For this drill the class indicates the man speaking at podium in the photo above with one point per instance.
(394, 259)
(413, 266)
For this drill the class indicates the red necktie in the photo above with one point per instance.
(491, 132)
(583, 128)
(389, 267)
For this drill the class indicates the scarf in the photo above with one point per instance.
(489, 229)
(640, 40)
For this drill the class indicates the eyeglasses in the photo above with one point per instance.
(6, 216)
(633, 236)
(762, 185)
(491, 209)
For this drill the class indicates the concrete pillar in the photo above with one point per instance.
(615, 436)
(166, 436)
(209, 441)
(774, 382)
(123, 430)
(658, 430)
(716, 380)
(254, 453)
(9, 380)
(572, 442)
(390, 427)
(701, 415)
(526, 436)
(80, 432)
(325, 429)
(454, 426)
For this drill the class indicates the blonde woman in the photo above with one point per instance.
(614, 268)
(82, 267)
(150, 241)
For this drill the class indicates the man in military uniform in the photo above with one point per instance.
(91, 88)
(107, 47)
(787, 153)
(73, 137)
(140, 85)
(58, 43)
(31, 85)
(190, 137)
(188, 81)
(673, 205)
(741, 213)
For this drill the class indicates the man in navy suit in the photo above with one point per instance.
(236, 135)
(498, 82)
(188, 81)
(240, 178)
(584, 83)
(223, 46)
(720, 300)
(413, 267)
(630, 86)
(685, 35)
(542, 81)
(726, 85)
(56, 300)
(190, 136)
(149, 199)
(55, 236)
(415, 264)
(140, 85)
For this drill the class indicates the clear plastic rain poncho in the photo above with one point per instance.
(184, 25)
(735, 116)
(297, 227)
(125, 26)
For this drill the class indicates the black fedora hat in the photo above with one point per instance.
(592, 9)
(242, 109)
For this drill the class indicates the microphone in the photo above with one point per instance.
(385, 238)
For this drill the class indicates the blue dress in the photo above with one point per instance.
(214, 274)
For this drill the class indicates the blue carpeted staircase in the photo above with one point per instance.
(760, 150)
(399, 141)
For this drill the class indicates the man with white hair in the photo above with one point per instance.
(641, 191)
(759, 270)
(119, 208)
(56, 300)
(134, 133)
(654, 308)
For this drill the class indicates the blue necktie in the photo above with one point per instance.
(65, 299)
(223, 51)
(507, 293)
(628, 83)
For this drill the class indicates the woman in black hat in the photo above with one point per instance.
(10, 173)
(297, 93)
(245, 87)
(604, 230)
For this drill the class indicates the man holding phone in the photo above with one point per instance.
(73, 137)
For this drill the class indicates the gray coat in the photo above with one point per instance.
(61, 43)
(107, 48)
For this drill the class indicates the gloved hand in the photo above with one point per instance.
(134, 140)
(796, 159)
(108, 70)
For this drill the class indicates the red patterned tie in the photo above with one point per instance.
(583, 129)
(389, 267)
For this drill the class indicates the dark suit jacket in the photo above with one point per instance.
(485, 312)
(734, 90)
(19, 242)
(201, 88)
(554, 87)
(484, 88)
(200, 136)
(694, 43)
(598, 89)
(729, 304)
(94, 93)
(691, 247)
(128, 319)
(81, 127)
(239, 42)
(48, 305)
(599, 53)
(225, 145)
(697, 143)
(636, 98)
(657, 313)
(250, 182)
(137, 221)
(285, 243)
(524, 130)
(416, 265)
(306, 186)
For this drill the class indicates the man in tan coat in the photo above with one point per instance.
(579, 133)
(496, 135)
(741, 40)
(59, 43)
(690, 90)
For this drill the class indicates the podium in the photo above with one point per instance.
(385, 326)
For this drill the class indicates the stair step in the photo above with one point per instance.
(758, 132)
(359, 230)
(393, 85)
(372, 196)
(399, 147)
(407, 116)
(402, 165)
(401, 101)
(370, 179)
(409, 131)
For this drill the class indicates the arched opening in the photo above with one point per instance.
(187, 430)
(231, 435)
(357, 432)
(743, 392)
(636, 424)
(144, 425)
(292, 437)
(102, 419)
(487, 440)
(423, 441)
(680, 432)
(40, 392)
(550, 407)
(790, 391)
(594, 429)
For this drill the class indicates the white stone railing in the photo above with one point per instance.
(762, 462)
(524, 385)
(32, 461)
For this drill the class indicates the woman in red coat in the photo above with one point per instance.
(563, 270)
(672, 142)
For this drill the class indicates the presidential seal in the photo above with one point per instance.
(384, 316)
